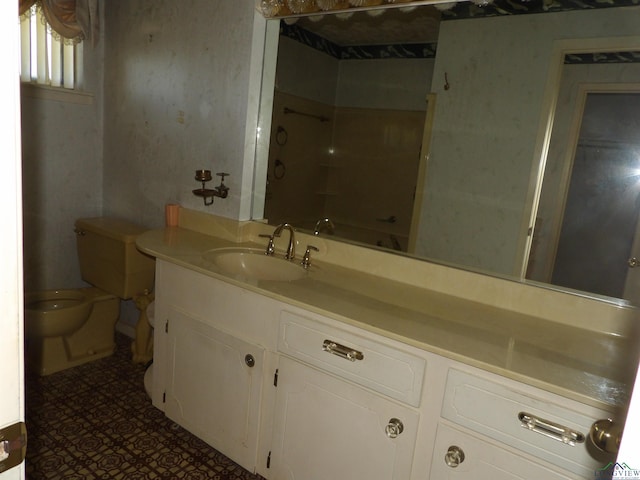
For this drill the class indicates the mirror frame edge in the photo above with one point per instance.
(266, 33)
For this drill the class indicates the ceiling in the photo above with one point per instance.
(407, 25)
(388, 27)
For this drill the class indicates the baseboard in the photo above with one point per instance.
(126, 329)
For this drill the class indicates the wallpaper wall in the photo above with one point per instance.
(169, 82)
(176, 89)
(62, 176)
(486, 125)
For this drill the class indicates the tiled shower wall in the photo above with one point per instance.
(358, 167)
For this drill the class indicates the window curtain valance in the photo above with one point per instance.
(75, 20)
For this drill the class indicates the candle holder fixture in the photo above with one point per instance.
(208, 194)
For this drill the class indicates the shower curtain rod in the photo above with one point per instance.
(317, 117)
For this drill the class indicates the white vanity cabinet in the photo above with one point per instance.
(214, 345)
(293, 395)
(327, 424)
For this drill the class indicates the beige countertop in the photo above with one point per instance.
(594, 367)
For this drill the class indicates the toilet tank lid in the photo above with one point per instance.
(115, 228)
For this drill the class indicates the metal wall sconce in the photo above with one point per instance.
(208, 194)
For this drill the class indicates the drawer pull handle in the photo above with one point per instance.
(550, 429)
(342, 351)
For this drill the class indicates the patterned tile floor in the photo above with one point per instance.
(95, 421)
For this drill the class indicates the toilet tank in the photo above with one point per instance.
(109, 258)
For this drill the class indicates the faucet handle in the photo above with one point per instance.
(306, 259)
(324, 224)
(270, 247)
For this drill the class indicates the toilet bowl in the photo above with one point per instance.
(68, 327)
(52, 313)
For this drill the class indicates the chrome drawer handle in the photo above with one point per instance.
(342, 351)
(550, 429)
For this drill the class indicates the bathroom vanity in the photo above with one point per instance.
(342, 373)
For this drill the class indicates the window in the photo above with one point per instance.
(47, 58)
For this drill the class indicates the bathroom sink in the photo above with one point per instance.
(252, 263)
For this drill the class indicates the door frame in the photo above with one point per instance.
(12, 407)
(420, 190)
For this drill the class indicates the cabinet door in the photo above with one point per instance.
(327, 428)
(213, 386)
(475, 458)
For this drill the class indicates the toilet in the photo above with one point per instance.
(68, 327)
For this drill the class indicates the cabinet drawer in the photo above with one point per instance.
(364, 361)
(544, 425)
(458, 455)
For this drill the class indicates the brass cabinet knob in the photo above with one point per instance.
(606, 435)
(454, 456)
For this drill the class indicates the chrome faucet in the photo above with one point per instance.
(291, 249)
(324, 224)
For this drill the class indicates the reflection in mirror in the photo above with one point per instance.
(591, 242)
(482, 155)
(348, 126)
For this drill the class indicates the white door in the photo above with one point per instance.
(326, 428)
(11, 373)
(630, 445)
(214, 386)
(601, 209)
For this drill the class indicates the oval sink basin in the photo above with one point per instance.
(252, 263)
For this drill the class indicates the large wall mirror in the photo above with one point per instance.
(475, 136)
